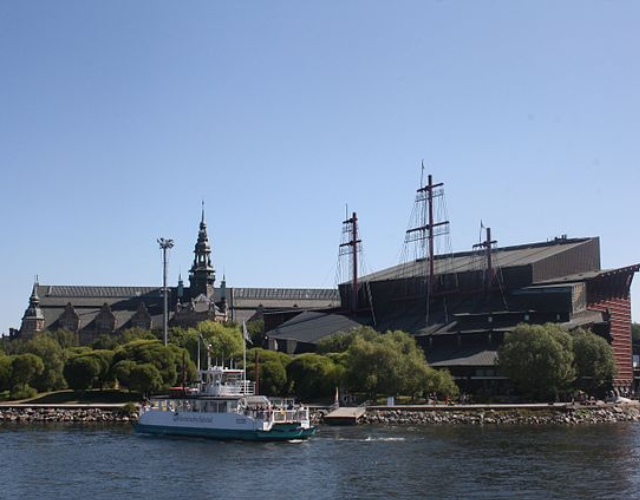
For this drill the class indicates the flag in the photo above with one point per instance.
(245, 332)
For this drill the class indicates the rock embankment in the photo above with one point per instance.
(72, 415)
(497, 417)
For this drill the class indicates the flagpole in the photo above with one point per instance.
(244, 354)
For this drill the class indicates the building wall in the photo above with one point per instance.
(620, 310)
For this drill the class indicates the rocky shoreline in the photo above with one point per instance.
(571, 415)
(70, 415)
(377, 416)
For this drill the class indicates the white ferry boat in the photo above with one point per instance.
(225, 406)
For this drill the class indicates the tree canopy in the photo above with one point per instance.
(145, 378)
(539, 360)
(273, 379)
(49, 350)
(635, 333)
(594, 361)
(6, 372)
(312, 376)
(154, 352)
(390, 363)
(25, 368)
(226, 341)
(82, 371)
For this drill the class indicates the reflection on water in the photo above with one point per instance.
(545, 462)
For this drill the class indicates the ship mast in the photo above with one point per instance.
(427, 230)
(350, 247)
(487, 244)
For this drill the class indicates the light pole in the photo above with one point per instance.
(164, 246)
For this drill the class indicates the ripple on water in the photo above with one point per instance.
(103, 462)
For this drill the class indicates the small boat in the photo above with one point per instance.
(225, 406)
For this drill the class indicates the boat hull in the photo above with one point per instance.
(283, 432)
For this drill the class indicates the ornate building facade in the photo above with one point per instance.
(92, 311)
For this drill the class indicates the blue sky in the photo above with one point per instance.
(117, 118)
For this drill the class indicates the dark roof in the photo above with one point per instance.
(513, 256)
(328, 294)
(444, 357)
(578, 277)
(92, 292)
(311, 327)
(304, 298)
(125, 300)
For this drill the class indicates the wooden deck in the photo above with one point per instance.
(346, 415)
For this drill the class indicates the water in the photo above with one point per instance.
(107, 462)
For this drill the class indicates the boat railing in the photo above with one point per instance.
(236, 388)
(291, 415)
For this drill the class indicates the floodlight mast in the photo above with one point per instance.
(165, 244)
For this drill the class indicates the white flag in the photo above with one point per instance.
(245, 332)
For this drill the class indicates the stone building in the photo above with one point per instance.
(95, 310)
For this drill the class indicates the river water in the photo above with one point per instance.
(368, 462)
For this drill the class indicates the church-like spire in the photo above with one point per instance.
(180, 288)
(33, 319)
(223, 286)
(202, 274)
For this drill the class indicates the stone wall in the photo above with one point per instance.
(491, 416)
(498, 417)
(73, 415)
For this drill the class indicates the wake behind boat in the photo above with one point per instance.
(225, 406)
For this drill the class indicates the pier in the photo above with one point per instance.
(346, 415)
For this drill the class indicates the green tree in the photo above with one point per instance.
(104, 357)
(181, 336)
(154, 352)
(255, 329)
(6, 372)
(376, 362)
(15, 346)
(47, 348)
(105, 341)
(312, 376)
(185, 368)
(66, 338)
(340, 363)
(121, 371)
(340, 342)
(145, 378)
(226, 341)
(391, 363)
(76, 351)
(539, 360)
(635, 333)
(81, 372)
(273, 371)
(594, 361)
(185, 341)
(135, 333)
(442, 383)
(25, 368)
